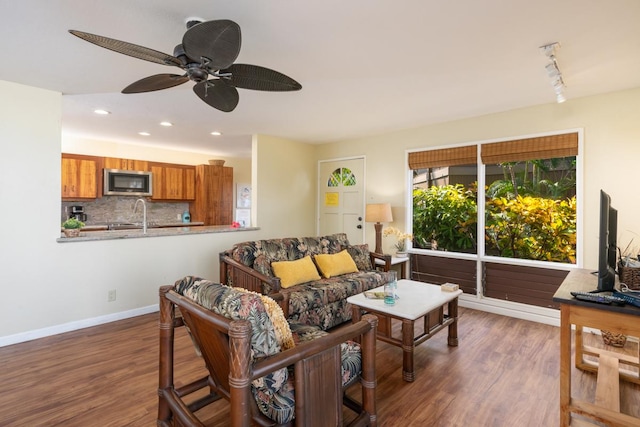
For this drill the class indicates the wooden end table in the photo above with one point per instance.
(399, 261)
(416, 300)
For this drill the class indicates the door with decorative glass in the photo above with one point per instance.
(341, 198)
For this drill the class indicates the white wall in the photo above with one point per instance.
(611, 155)
(49, 287)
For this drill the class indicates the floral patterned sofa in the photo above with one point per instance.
(320, 301)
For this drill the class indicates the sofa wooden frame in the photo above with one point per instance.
(225, 348)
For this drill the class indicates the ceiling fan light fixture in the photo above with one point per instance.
(208, 49)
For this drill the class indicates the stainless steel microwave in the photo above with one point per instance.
(119, 182)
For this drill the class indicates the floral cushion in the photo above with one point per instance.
(259, 254)
(273, 393)
(323, 302)
(360, 254)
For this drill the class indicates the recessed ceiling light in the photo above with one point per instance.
(167, 124)
(144, 133)
(102, 112)
(216, 133)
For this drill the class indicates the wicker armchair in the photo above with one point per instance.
(225, 346)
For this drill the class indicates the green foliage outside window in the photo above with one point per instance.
(529, 227)
(445, 216)
(532, 228)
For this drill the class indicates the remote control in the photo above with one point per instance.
(629, 299)
(600, 299)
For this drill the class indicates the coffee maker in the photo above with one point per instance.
(77, 212)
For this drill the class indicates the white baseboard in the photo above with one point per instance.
(548, 316)
(73, 326)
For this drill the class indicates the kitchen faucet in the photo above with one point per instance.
(144, 214)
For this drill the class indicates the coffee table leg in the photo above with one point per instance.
(356, 313)
(408, 345)
(453, 327)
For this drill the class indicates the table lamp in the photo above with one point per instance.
(378, 213)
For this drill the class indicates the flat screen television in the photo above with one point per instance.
(607, 252)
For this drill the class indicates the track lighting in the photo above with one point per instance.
(553, 70)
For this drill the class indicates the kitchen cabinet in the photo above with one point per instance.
(79, 177)
(173, 182)
(213, 202)
(126, 164)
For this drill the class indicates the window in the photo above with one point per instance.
(527, 202)
(521, 196)
(342, 176)
(530, 198)
(444, 199)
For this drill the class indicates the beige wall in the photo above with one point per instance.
(286, 201)
(52, 287)
(611, 155)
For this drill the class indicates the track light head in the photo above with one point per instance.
(553, 70)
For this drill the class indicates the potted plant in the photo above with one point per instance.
(72, 227)
(401, 242)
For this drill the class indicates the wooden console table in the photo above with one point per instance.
(621, 319)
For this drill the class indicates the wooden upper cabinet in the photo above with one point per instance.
(126, 164)
(189, 185)
(173, 182)
(79, 177)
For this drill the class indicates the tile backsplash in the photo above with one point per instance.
(110, 209)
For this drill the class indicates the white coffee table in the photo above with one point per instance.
(416, 300)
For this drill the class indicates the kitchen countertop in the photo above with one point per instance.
(181, 230)
(136, 225)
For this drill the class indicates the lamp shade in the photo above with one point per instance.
(378, 212)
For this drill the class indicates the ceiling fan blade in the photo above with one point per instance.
(218, 94)
(130, 49)
(218, 41)
(157, 82)
(254, 77)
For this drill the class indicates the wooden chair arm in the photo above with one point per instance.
(383, 257)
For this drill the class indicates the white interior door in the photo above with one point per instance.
(341, 198)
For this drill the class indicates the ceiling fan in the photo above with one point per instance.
(207, 56)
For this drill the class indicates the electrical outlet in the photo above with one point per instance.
(178, 217)
(111, 296)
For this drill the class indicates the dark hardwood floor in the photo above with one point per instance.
(503, 373)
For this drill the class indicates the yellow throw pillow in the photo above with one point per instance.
(335, 264)
(295, 272)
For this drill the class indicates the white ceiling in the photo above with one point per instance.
(366, 66)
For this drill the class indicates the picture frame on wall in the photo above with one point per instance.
(243, 217)
(243, 196)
